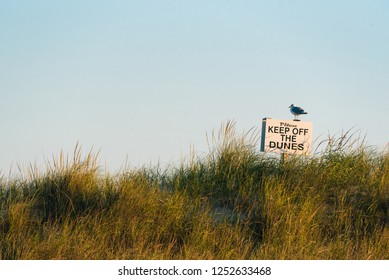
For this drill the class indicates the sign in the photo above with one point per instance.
(286, 136)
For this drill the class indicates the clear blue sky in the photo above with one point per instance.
(147, 79)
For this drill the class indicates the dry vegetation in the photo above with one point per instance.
(234, 203)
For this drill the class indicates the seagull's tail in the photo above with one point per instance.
(304, 113)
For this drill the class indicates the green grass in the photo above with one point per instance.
(233, 203)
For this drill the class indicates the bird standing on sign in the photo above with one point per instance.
(296, 111)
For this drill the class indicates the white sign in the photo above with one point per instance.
(286, 136)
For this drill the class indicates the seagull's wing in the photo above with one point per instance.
(297, 110)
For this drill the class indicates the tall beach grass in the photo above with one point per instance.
(232, 203)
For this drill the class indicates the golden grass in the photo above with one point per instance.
(234, 203)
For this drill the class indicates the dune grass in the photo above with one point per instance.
(233, 203)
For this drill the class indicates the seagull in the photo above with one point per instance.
(296, 111)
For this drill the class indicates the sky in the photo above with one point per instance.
(144, 82)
